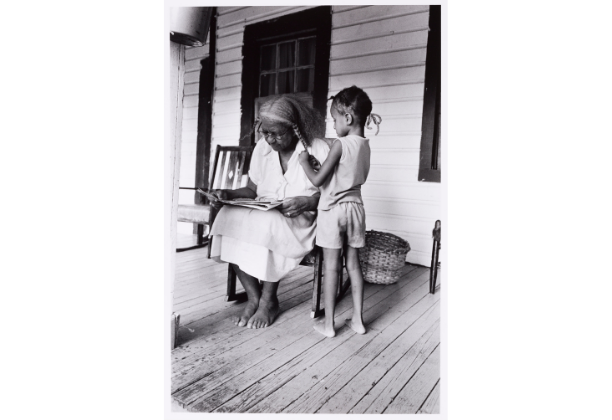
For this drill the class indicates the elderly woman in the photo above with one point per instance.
(267, 245)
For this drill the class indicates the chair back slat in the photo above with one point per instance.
(231, 167)
(239, 167)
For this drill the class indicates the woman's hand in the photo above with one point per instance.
(293, 207)
(220, 195)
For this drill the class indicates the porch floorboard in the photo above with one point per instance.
(288, 367)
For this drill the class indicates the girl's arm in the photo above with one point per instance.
(318, 178)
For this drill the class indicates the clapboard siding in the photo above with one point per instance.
(381, 49)
(391, 42)
(379, 28)
(374, 14)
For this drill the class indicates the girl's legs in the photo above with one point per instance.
(354, 270)
(253, 291)
(330, 287)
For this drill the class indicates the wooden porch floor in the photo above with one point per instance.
(288, 367)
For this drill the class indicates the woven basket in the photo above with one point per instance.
(383, 257)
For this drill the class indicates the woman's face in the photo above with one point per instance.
(278, 136)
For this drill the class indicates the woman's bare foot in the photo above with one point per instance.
(356, 325)
(321, 328)
(265, 315)
(248, 312)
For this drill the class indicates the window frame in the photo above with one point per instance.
(430, 161)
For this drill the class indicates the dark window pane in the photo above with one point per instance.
(285, 82)
(268, 57)
(306, 52)
(305, 80)
(267, 84)
(287, 54)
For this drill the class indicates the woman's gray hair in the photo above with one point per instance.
(292, 112)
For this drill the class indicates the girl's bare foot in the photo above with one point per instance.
(248, 312)
(265, 315)
(320, 327)
(356, 325)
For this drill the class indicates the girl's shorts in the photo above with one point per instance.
(344, 220)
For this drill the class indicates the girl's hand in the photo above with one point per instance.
(295, 206)
(314, 163)
(303, 157)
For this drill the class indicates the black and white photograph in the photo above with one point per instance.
(280, 210)
(307, 208)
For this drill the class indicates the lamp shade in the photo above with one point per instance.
(189, 25)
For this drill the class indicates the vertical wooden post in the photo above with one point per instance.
(177, 82)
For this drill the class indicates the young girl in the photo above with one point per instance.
(341, 218)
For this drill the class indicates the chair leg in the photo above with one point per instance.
(200, 234)
(202, 242)
(232, 296)
(316, 289)
(435, 256)
(342, 285)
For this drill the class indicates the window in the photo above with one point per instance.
(288, 55)
(429, 165)
(287, 67)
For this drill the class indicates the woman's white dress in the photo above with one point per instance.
(266, 244)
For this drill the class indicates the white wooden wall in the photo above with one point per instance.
(382, 50)
(193, 56)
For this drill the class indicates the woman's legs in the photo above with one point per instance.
(330, 288)
(251, 286)
(268, 307)
(354, 270)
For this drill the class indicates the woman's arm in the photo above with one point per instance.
(318, 178)
(250, 191)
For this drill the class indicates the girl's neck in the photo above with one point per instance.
(356, 131)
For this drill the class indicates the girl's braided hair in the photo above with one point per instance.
(355, 101)
(306, 122)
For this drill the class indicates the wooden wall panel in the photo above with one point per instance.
(374, 13)
(379, 61)
(378, 78)
(410, 23)
(390, 42)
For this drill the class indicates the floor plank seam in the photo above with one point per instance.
(425, 400)
(409, 379)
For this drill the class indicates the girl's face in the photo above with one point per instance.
(340, 123)
(279, 137)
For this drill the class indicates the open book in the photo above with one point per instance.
(264, 205)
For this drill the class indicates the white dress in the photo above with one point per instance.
(266, 244)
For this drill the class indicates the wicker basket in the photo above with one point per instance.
(383, 257)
